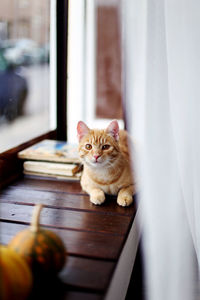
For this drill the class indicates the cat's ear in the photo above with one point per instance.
(113, 129)
(82, 130)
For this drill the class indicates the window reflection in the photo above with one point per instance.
(24, 70)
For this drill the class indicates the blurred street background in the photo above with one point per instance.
(24, 70)
(36, 109)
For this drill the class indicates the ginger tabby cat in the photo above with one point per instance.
(106, 160)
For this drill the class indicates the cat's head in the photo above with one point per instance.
(98, 148)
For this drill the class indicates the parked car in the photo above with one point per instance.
(25, 52)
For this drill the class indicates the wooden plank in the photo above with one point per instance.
(87, 244)
(49, 185)
(68, 219)
(78, 274)
(94, 235)
(88, 274)
(64, 200)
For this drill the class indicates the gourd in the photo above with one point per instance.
(43, 249)
(15, 275)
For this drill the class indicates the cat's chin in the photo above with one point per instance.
(98, 164)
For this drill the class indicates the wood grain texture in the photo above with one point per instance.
(64, 200)
(67, 219)
(94, 235)
(88, 274)
(85, 244)
(49, 185)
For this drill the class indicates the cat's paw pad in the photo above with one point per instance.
(97, 197)
(124, 200)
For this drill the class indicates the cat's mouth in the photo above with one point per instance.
(96, 162)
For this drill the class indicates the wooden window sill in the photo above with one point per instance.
(101, 240)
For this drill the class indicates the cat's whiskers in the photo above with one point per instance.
(104, 154)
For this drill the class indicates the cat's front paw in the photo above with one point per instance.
(97, 197)
(124, 199)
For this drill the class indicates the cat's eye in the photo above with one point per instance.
(105, 147)
(88, 146)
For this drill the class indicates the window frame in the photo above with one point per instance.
(11, 167)
(82, 53)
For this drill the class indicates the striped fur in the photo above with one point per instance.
(106, 160)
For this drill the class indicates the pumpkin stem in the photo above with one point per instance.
(36, 217)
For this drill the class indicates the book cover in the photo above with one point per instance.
(51, 150)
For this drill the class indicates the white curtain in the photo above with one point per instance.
(161, 42)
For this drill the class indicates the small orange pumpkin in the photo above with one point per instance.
(42, 249)
(15, 275)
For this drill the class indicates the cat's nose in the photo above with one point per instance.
(96, 156)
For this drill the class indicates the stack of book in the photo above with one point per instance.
(51, 158)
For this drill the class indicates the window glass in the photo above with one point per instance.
(24, 70)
